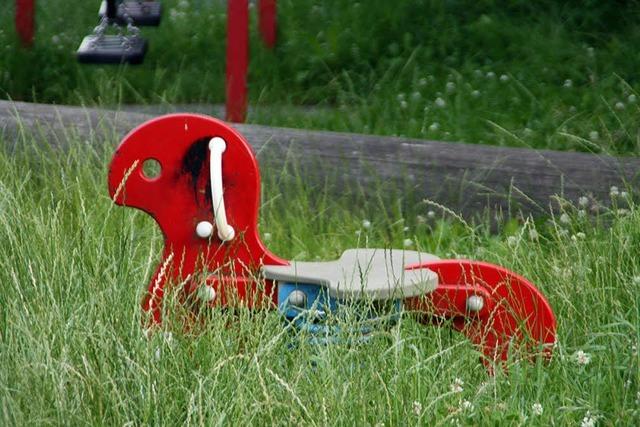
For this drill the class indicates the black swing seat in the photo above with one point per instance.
(142, 13)
(112, 49)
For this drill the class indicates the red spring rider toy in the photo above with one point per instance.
(205, 199)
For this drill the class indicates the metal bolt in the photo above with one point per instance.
(207, 293)
(204, 229)
(297, 298)
(475, 303)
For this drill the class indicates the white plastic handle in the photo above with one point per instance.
(217, 146)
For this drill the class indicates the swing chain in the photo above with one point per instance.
(132, 32)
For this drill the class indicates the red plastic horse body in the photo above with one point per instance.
(491, 305)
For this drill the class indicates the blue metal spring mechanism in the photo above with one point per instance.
(326, 319)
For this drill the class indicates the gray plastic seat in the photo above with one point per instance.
(362, 273)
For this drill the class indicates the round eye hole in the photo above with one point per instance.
(151, 169)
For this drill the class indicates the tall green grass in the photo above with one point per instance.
(73, 268)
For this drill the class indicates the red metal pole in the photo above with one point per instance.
(268, 20)
(25, 21)
(237, 59)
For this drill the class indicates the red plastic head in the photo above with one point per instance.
(179, 197)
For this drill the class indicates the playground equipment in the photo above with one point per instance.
(127, 46)
(26, 21)
(100, 48)
(205, 198)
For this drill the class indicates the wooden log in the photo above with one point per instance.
(466, 178)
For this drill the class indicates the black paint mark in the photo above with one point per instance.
(192, 165)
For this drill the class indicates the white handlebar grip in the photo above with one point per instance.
(217, 146)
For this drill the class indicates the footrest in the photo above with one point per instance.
(112, 49)
(142, 13)
(329, 320)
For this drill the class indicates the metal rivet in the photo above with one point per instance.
(207, 293)
(204, 229)
(297, 298)
(475, 303)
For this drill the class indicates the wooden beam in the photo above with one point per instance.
(466, 178)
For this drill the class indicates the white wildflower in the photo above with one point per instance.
(440, 102)
(416, 96)
(407, 243)
(594, 135)
(456, 386)
(564, 273)
(568, 83)
(582, 213)
(434, 126)
(403, 104)
(580, 235)
(477, 73)
(401, 97)
(623, 212)
(475, 93)
(504, 78)
(405, 229)
(512, 241)
(491, 75)
(582, 358)
(358, 233)
(632, 99)
(564, 218)
(417, 407)
(421, 219)
(583, 201)
(465, 405)
(183, 4)
(613, 191)
(451, 87)
(533, 234)
(619, 105)
(174, 14)
(431, 214)
(624, 194)
(366, 224)
(588, 420)
(422, 82)
(537, 409)
(266, 237)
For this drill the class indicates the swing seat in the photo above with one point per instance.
(362, 273)
(142, 13)
(112, 49)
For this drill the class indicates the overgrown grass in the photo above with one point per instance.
(545, 75)
(74, 266)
